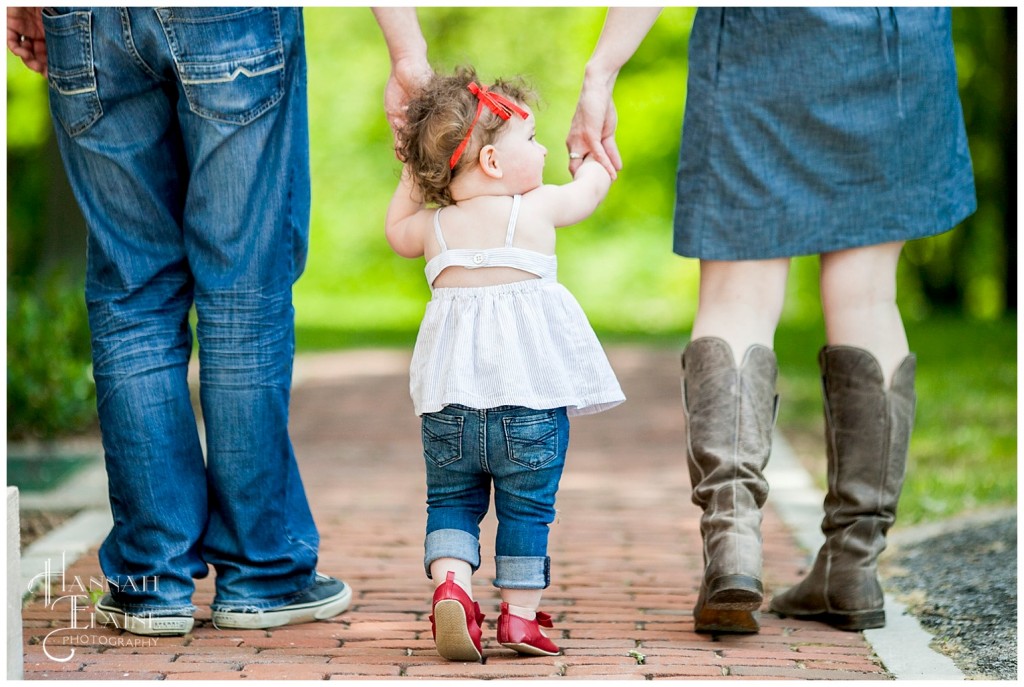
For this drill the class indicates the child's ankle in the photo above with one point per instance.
(440, 568)
(464, 585)
(522, 602)
(524, 612)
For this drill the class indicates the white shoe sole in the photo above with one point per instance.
(451, 632)
(146, 626)
(293, 615)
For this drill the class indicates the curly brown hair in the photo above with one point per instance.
(437, 120)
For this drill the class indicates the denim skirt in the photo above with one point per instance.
(809, 130)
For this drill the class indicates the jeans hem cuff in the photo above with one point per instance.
(522, 572)
(451, 543)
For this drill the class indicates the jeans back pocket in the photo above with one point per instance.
(230, 60)
(71, 72)
(442, 438)
(532, 439)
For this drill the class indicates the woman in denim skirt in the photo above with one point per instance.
(504, 354)
(827, 131)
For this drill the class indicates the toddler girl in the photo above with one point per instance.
(504, 353)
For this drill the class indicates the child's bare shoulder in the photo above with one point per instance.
(538, 209)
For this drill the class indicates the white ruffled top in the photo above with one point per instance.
(525, 343)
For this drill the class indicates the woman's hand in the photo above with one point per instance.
(592, 131)
(593, 126)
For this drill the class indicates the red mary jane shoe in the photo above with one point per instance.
(455, 623)
(524, 635)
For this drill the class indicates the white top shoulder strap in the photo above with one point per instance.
(512, 219)
(437, 230)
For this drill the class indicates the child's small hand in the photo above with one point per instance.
(587, 158)
(591, 169)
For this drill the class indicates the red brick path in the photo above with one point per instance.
(626, 558)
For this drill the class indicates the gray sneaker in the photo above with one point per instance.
(325, 599)
(146, 624)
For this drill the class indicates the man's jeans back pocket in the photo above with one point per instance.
(532, 440)
(230, 60)
(71, 74)
(442, 438)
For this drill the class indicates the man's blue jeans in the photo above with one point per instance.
(184, 133)
(520, 450)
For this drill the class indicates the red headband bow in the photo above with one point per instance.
(498, 104)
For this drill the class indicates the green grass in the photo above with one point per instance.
(963, 452)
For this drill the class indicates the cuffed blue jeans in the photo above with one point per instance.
(520, 450)
(184, 133)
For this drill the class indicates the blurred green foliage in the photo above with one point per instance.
(50, 390)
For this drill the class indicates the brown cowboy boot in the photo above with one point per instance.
(867, 429)
(729, 413)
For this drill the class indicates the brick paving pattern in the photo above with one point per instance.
(626, 558)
